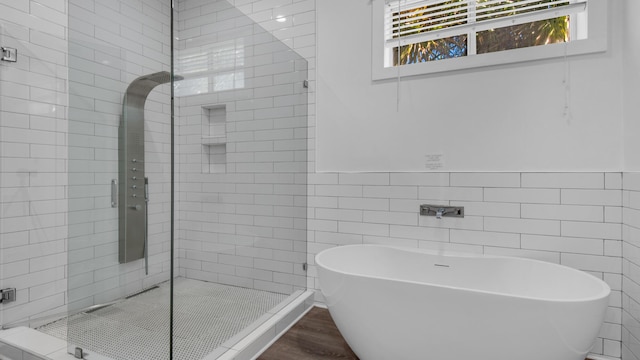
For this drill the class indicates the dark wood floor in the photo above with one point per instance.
(315, 336)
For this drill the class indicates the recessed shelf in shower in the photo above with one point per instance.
(214, 139)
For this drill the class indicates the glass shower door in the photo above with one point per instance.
(32, 167)
(241, 170)
(119, 175)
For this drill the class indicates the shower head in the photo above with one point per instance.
(161, 77)
(143, 85)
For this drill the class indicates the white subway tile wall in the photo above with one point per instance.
(555, 217)
(33, 158)
(631, 267)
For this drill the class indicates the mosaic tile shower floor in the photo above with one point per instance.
(206, 315)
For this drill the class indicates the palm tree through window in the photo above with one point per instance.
(446, 16)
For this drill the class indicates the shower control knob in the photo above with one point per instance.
(136, 207)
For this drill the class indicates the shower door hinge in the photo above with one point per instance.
(7, 295)
(78, 353)
(305, 266)
(9, 54)
(305, 84)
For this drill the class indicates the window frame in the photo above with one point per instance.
(597, 21)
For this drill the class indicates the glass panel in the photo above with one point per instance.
(119, 136)
(535, 33)
(32, 165)
(241, 170)
(448, 48)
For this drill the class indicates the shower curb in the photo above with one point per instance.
(31, 344)
(601, 357)
(254, 343)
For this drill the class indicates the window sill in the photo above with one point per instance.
(580, 47)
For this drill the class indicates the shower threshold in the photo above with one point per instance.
(211, 321)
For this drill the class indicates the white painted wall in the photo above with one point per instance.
(631, 88)
(503, 118)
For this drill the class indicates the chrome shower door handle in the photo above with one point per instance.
(114, 193)
(146, 189)
(146, 226)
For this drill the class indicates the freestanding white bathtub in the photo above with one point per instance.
(395, 303)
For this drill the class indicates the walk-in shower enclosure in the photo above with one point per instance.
(211, 181)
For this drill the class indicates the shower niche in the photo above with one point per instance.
(214, 139)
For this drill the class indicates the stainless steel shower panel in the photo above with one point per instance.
(133, 205)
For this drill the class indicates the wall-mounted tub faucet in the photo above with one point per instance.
(439, 211)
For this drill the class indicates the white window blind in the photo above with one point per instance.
(414, 21)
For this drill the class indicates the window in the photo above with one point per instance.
(423, 36)
(211, 68)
